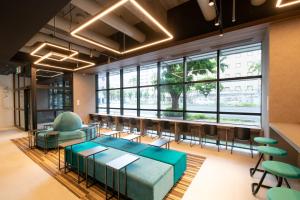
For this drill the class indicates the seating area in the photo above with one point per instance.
(150, 100)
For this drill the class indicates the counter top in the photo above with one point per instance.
(288, 131)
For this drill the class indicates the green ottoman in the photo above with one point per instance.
(147, 179)
(175, 158)
(281, 170)
(267, 150)
(121, 144)
(265, 140)
(279, 193)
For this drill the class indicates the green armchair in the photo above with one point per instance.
(68, 126)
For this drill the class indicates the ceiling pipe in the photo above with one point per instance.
(41, 37)
(257, 2)
(66, 25)
(208, 12)
(92, 7)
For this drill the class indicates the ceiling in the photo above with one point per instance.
(125, 27)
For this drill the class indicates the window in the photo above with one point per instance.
(221, 86)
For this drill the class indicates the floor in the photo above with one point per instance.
(222, 176)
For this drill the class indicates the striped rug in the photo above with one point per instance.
(49, 162)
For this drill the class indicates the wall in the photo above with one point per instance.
(284, 71)
(84, 95)
(6, 101)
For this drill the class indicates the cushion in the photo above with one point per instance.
(279, 193)
(67, 121)
(175, 158)
(281, 169)
(272, 151)
(265, 140)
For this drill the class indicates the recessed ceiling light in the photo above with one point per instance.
(68, 53)
(75, 32)
(211, 3)
(279, 3)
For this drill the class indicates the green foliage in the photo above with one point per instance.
(200, 116)
(255, 68)
(171, 114)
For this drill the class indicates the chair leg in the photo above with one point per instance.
(232, 145)
(218, 143)
(251, 148)
(253, 170)
(287, 183)
(256, 187)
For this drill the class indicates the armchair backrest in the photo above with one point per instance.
(67, 121)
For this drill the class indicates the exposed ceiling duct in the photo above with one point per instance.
(208, 12)
(92, 7)
(65, 25)
(257, 2)
(41, 37)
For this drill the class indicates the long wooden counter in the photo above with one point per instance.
(288, 136)
(225, 127)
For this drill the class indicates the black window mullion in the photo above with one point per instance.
(107, 93)
(158, 90)
(184, 88)
(218, 86)
(96, 96)
(138, 90)
(121, 92)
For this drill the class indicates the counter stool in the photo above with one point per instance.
(279, 193)
(265, 140)
(267, 150)
(279, 169)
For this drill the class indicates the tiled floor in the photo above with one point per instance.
(222, 176)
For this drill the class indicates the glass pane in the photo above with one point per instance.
(44, 99)
(171, 97)
(101, 98)
(130, 112)
(130, 99)
(202, 67)
(101, 110)
(171, 71)
(114, 111)
(22, 99)
(114, 98)
(114, 79)
(148, 74)
(201, 96)
(148, 98)
(129, 77)
(240, 96)
(17, 117)
(147, 113)
(171, 115)
(22, 120)
(101, 81)
(201, 117)
(240, 119)
(241, 61)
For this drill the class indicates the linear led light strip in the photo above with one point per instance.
(44, 70)
(63, 57)
(112, 8)
(38, 62)
(280, 5)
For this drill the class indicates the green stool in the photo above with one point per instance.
(279, 193)
(267, 150)
(279, 169)
(265, 140)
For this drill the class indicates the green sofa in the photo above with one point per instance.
(69, 127)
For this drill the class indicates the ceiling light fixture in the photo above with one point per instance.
(75, 32)
(279, 3)
(211, 3)
(45, 76)
(44, 45)
(48, 55)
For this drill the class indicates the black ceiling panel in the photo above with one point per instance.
(21, 19)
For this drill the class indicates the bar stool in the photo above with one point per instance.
(134, 125)
(211, 131)
(267, 150)
(151, 126)
(166, 127)
(279, 193)
(265, 140)
(242, 134)
(279, 169)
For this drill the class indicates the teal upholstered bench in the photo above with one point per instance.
(175, 158)
(147, 179)
(121, 144)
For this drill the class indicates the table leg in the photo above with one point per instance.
(105, 182)
(118, 174)
(86, 172)
(58, 159)
(125, 181)
(226, 135)
(78, 177)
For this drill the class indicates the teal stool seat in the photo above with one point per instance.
(268, 150)
(272, 151)
(281, 169)
(279, 193)
(265, 140)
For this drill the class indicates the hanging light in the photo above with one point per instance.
(211, 3)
